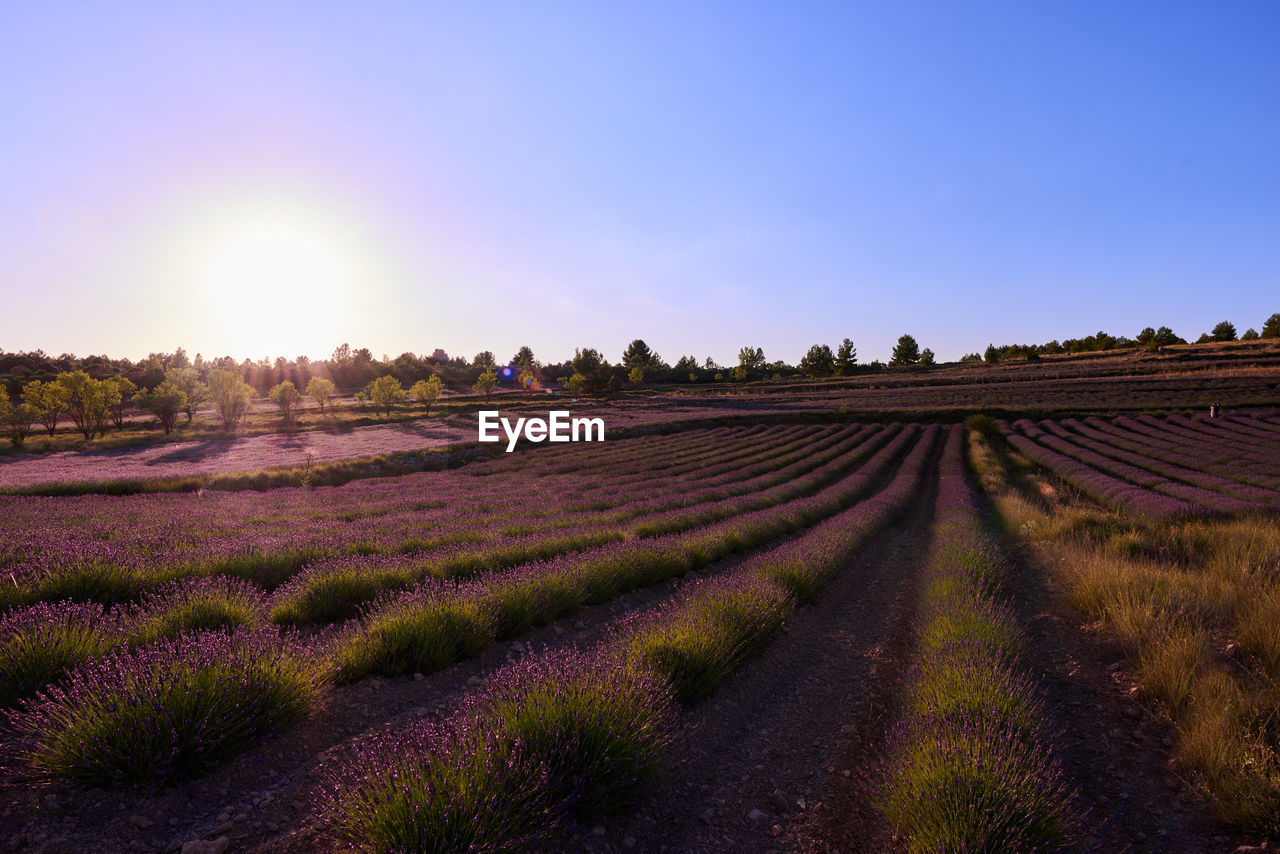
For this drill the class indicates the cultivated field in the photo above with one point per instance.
(754, 627)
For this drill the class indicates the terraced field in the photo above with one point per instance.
(524, 652)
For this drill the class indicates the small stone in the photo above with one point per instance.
(517, 647)
(779, 800)
(224, 827)
(272, 826)
(1133, 712)
(173, 822)
(418, 677)
(474, 680)
(244, 816)
(560, 631)
(579, 625)
(707, 815)
(140, 821)
(755, 815)
(205, 846)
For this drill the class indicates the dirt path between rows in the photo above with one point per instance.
(757, 754)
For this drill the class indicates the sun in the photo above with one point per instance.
(275, 287)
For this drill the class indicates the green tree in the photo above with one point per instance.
(385, 392)
(638, 355)
(120, 393)
(1250, 334)
(86, 402)
(524, 358)
(320, 390)
(486, 383)
(906, 352)
(846, 358)
(166, 402)
(48, 399)
(231, 397)
(426, 391)
(1271, 329)
(286, 396)
(16, 420)
(818, 362)
(594, 369)
(188, 380)
(635, 376)
(751, 359)
(1224, 331)
(575, 384)
(1165, 337)
(484, 359)
(927, 359)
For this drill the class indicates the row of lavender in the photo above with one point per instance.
(1156, 468)
(434, 624)
(968, 766)
(122, 545)
(565, 736)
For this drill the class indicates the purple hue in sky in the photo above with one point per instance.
(703, 176)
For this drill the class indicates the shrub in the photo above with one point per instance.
(170, 711)
(196, 604)
(41, 643)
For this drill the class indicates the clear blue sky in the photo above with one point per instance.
(265, 179)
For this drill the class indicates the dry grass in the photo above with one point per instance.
(1196, 606)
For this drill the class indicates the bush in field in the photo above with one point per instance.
(927, 359)
(984, 424)
(49, 400)
(1250, 334)
(320, 390)
(40, 643)
(974, 784)
(905, 352)
(384, 393)
(231, 396)
(202, 603)
(636, 376)
(165, 402)
(426, 392)
(169, 711)
(287, 397)
(550, 738)
(120, 394)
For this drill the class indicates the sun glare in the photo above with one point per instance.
(275, 287)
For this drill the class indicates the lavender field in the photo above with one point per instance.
(169, 648)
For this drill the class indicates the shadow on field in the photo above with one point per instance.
(194, 452)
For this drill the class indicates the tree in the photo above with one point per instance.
(385, 392)
(846, 358)
(49, 400)
(594, 369)
(971, 357)
(524, 358)
(927, 359)
(166, 401)
(16, 420)
(119, 395)
(320, 390)
(635, 376)
(751, 358)
(188, 379)
(86, 402)
(907, 351)
(1147, 338)
(286, 396)
(637, 355)
(1250, 334)
(484, 359)
(426, 391)
(1224, 331)
(486, 383)
(575, 384)
(1271, 329)
(818, 362)
(230, 395)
